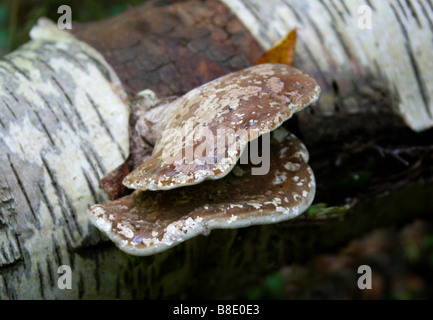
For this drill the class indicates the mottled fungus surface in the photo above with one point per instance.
(202, 134)
(148, 222)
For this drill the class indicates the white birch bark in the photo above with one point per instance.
(63, 125)
(338, 46)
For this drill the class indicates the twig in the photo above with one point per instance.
(396, 152)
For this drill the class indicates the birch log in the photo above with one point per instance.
(63, 125)
(355, 49)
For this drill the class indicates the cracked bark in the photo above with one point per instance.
(52, 160)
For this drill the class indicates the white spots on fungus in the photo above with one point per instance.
(255, 205)
(125, 230)
(149, 241)
(100, 219)
(291, 166)
(176, 231)
(276, 202)
(279, 178)
(283, 210)
(275, 84)
(233, 218)
(283, 152)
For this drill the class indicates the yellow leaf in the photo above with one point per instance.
(283, 52)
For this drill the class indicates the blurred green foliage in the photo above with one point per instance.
(18, 16)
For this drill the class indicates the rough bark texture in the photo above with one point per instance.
(384, 67)
(59, 135)
(172, 47)
(63, 126)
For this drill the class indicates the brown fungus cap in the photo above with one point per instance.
(148, 222)
(203, 133)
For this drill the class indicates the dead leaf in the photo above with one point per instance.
(283, 52)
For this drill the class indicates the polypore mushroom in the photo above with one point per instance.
(248, 103)
(148, 222)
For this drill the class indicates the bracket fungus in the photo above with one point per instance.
(191, 144)
(147, 222)
(173, 202)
